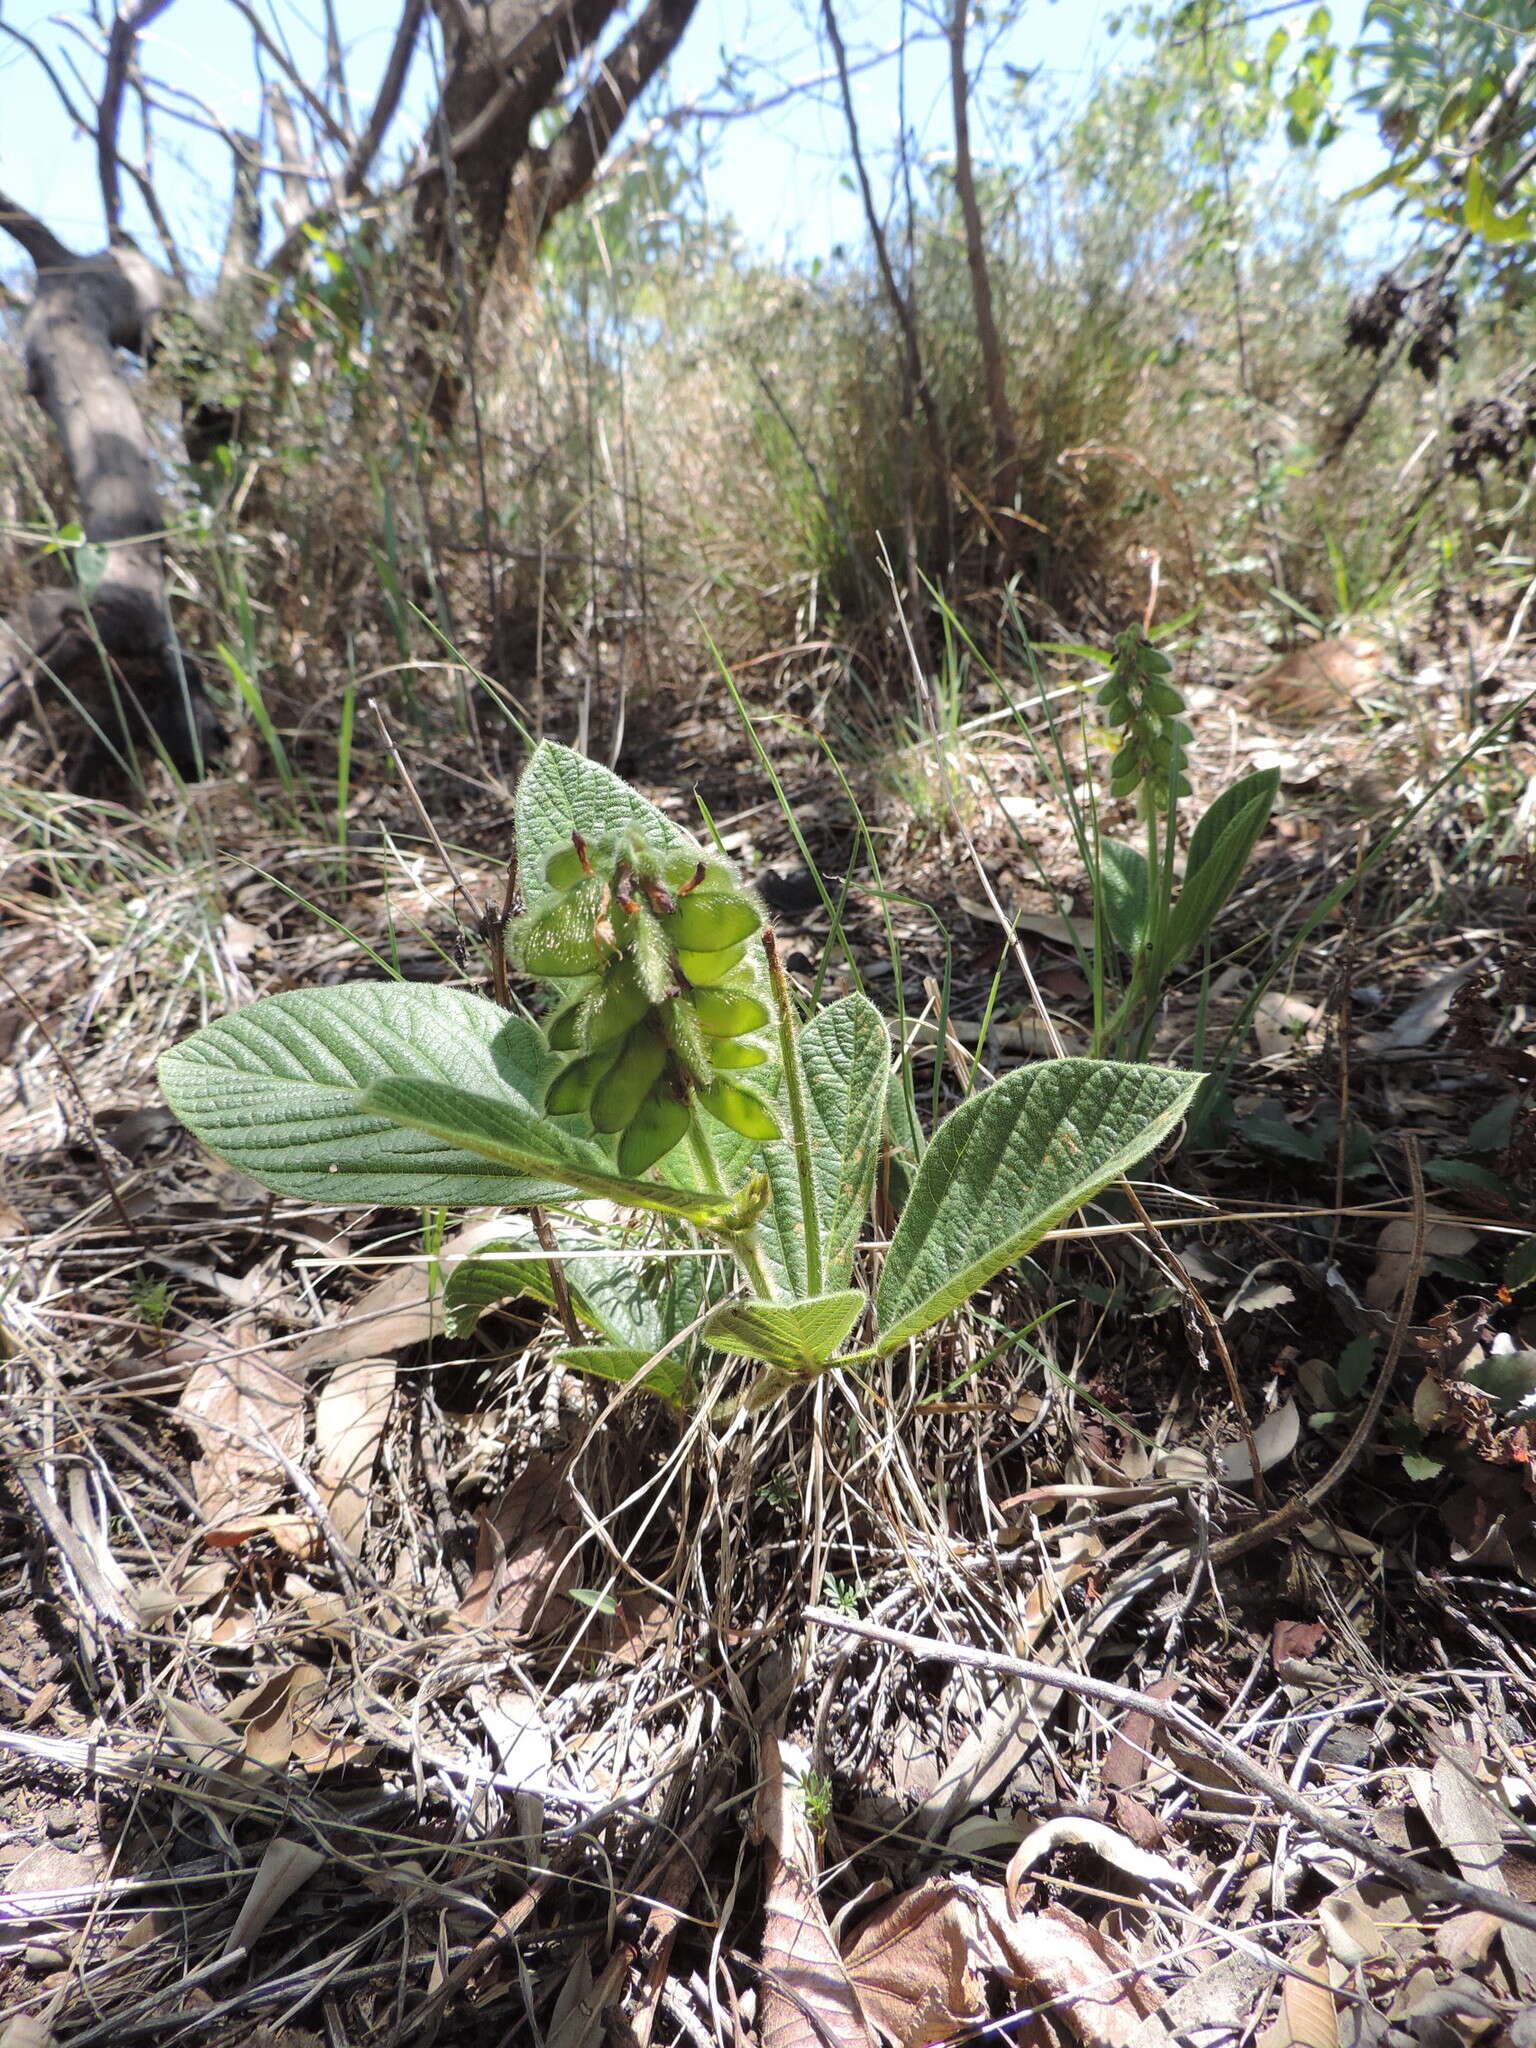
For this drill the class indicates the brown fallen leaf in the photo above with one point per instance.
(284, 1866)
(1309, 2013)
(350, 1415)
(922, 1965)
(523, 1552)
(248, 1418)
(1394, 1256)
(807, 1998)
(294, 1535)
(1126, 1760)
(271, 1714)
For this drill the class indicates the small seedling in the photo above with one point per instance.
(152, 1300)
(673, 1074)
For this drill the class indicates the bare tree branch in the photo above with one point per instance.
(561, 174)
(994, 375)
(127, 24)
(295, 205)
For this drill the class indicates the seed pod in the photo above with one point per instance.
(618, 1095)
(712, 918)
(727, 1012)
(617, 1006)
(564, 869)
(705, 969)
(694, 1053)
(570, 1093)
(652, 955)
(739, 1110)
(562, 940)
(659, 1123)
(563, 1030)
(731, 1053)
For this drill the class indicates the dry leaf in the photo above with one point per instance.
(807, 1998)
(1394, 1250)
(270, 1715)
(1282, 1023)
(284, 1866)
(248, 1418)
(1424, 1017)
(402, 1307)
(1309, 2013)
(922, 1962)
(350, 1415)
(27, 2031)
(294, 1535)
(1140, 1865)
(522, 1552)
(1274, 1439)
(1125, 1762)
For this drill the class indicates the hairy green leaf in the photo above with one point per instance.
(525, 1141)
(1009, 1165)
(274, 1089)
(669, 1377)
(562, 792)
(800, 1336)
(639, 1296)
(845, 1055)
(1218, 852)
(1125, 888)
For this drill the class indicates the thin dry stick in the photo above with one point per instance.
(1413, 1877)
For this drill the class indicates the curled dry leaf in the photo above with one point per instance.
(922, 1965)
(1309, 2013)
(1394, 1256)
(350, 1415)
(1274, 1439)
(284, 1866)
(248, 1418)
(1140, 1865)
(523, 1552)
(807, 1999)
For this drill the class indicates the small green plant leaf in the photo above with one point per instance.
(628, 1294)
(800, 1336)
(562, 792)
(526, 1142)
(274, 1089)
(1520, 1266)
(1508, 1378)
(845, 1056)
(1354, 1366)
(668, 1377)
(1218, 852)
(1009, 1165)
(1124, 887)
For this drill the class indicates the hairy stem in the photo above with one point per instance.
(799, 1122)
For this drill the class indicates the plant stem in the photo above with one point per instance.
(742, 1244)
(799, 1122)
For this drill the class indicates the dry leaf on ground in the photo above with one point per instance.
(284, 1866)
(248, 1418)
(522, 1552)
(923, 1963)
(807, 1999)
(1394, 1256)
(350, 1414)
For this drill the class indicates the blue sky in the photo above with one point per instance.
(781, 174)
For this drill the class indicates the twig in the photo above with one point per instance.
(1413, 1877)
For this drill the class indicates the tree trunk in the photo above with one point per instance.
(109, 648)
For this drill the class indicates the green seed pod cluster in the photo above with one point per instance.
(661, 1005)
(1140, 697)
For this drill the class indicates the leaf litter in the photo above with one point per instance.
(406, 1664)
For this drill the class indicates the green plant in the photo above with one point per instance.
(1155, 925)
(631, 1095)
